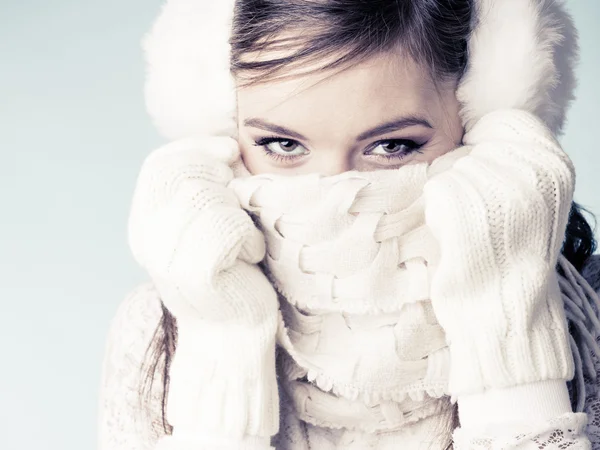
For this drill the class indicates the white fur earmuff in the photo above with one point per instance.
(189, 90)
(522, 54)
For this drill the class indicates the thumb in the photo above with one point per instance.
(447, 160)
(254, 247)
(239, 168)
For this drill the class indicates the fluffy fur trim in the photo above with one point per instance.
(189, 89)
(522, 54)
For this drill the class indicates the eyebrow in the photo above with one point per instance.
(392, 125)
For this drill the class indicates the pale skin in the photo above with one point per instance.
(321, 123)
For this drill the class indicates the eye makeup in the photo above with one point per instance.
(286, 156)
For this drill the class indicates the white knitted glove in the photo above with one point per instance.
(187, 230)
(499, 215)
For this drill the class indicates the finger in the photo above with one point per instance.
(170, 207)
(447, 160)
(239, 168)
(162, 175)
(254, 247)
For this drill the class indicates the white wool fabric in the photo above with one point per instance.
(351, 257)
(499, 216)
(186, 228)
(526, 50)
(404, 285)
(366, 347)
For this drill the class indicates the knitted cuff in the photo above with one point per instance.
(241, 294)
(515, 405)
(222, 380)
(499, 215)
(484, 356)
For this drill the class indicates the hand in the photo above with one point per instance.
(499, 215)
(187, 229)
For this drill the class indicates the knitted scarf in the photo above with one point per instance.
(351, 258)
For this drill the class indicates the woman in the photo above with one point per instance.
(214, 312)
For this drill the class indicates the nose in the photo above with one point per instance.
(335, 163)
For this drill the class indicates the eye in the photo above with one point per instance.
(281, 148)
(394, 149)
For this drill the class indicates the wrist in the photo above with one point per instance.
(530, 402)
(222, 381)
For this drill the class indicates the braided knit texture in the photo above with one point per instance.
(351, 258)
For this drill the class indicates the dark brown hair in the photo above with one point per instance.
(335, 34)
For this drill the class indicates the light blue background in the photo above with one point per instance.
(73, 134)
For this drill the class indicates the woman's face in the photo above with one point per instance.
(380, 114)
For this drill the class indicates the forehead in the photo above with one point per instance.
(372, 86)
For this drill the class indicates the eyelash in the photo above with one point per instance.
(263, 142)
